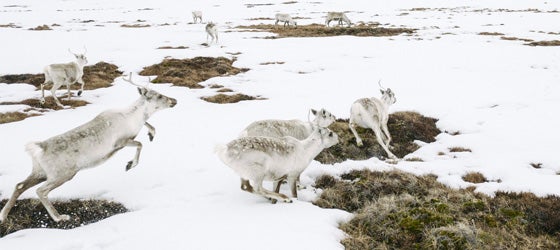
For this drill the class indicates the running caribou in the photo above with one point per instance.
(373, 113)
(58, 159)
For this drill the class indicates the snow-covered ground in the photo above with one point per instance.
(501, 96)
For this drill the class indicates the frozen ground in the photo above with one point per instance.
(500, 96)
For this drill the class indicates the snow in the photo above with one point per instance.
(501, 96)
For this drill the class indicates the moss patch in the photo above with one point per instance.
(397, 210)
(30, 213)
(190, 72)
(404, 127)
(318, 30)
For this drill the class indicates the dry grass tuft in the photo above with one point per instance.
(491, 34)
(136, 25)
(50, 104)
(99, 75)
(41, 27)
(545, 43)
(397, 210)
(9, 25)
(269, 63)
(14, 117)
(319, 30)
(190, 72)
(414, 159)
(222, 98)
(30, 213)
(171, 47)
(405, 128)
(459, 149)
(474, 177)
(509, 38)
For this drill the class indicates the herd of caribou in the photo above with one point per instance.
(267, 150)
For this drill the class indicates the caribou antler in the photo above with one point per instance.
(72, 52)
(131, 82)
(379, 83)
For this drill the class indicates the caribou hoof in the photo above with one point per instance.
(62, 217)
(151, 136)
(129, 165)
(79, 93)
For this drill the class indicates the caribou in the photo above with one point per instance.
(373, 113)
(64, 73)
(58, 159)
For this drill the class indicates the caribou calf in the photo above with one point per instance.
(373, 113)
(211, 31)
(197, 15)
(337, 16)
(266, 158)
(64, 73)
(58, 159)
(286, 19)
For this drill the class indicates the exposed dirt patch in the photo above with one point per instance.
(136, 25)
(269, 63)
(171, 47)
(491, 34)
(49, 105)
(318, 30)
(13, 117)
(100, 75)
(474, 177)
(41, 27)
(190, 72)
(30, 213)
(9, 25)
(536, 165)
(404, 127)
(260, 19)
(459, 150)
(397, 210)
(509, 38)
(252, 5)
(33, 79)
(223, 98)
(544, 43)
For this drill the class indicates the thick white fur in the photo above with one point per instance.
(273, 159)
(57, 159)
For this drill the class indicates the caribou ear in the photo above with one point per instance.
(314, 111)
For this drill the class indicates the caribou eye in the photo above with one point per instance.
(330, 134)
